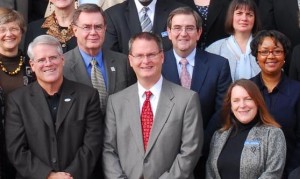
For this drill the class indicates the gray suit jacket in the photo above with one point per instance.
(175, 141)
(119, 73)
(263, 155)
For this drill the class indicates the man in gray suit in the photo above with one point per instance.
(160, 136)
(89, 27)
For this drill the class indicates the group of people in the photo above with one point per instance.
(147, 89)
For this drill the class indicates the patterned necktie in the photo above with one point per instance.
(98, 83)
(185, 77)
(146, 118)
(145, 20)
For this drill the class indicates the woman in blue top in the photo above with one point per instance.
(281, 94)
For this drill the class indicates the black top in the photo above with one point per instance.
(230, 157)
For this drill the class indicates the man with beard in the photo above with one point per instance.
(134, 16)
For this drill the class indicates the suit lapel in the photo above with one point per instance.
(170, 71)
(161, 12)
(134, 117)
(164, 108)
(200, 71)
(78, 68)
(132, 18)
(41, 105)
(110, 71)
(217, 6)
(66, 101)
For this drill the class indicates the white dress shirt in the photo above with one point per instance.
(155, 90)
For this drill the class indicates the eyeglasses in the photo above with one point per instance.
(267, 52)
(89, 28)
(149, 56)
(13, 30)
(187, 29)
(51, 59)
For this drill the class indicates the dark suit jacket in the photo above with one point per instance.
(211, 78)
(36, 146)
(175, 141)
(215, 20)
(119, 73)
(123, 22)
(35, 29)
(294, 72)
(281, 16)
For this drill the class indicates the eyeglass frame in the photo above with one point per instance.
(188, 29)
(266, 53)
(12, 30)
(88, 28)
(51, 59)
(149, 56)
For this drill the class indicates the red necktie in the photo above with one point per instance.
(146, 118)
(185, 77)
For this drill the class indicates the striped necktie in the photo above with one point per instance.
(185, 76)
(145, 20)
(98, 83)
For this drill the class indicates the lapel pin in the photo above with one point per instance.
(112, 69)
(67, 100)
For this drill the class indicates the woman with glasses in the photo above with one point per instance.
(58, 24)
(281, 94)
(14, 69)
(241, 22)
(250, 144)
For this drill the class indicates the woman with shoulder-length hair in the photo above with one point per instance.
(250, 143)
(242, 23)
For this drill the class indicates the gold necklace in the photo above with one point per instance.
(16, 71)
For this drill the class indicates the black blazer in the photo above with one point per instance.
(282, 16)
(294, 72)
(215, 21)
(123, 22)
(36, 146)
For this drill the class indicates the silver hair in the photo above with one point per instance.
(44, 39)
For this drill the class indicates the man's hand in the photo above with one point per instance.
(59, 175)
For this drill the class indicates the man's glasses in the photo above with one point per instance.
(149, 56)
(187, 29)
(51, 59)
(89, 28)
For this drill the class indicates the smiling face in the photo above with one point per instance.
(243, 20)
(184, 41)
(242, 105)
(270, 64)
(146, 60)
(90, 41)
(47, 64)
(10, 37)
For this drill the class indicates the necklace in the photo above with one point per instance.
(16, 71)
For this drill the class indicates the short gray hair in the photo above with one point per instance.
(44, 39)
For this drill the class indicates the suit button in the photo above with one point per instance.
(54, 160)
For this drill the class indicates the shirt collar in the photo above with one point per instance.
(280, 86)
(87, 58)
(190, 58)
(155, 89)
(151, 6)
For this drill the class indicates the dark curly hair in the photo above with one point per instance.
(277, 36)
